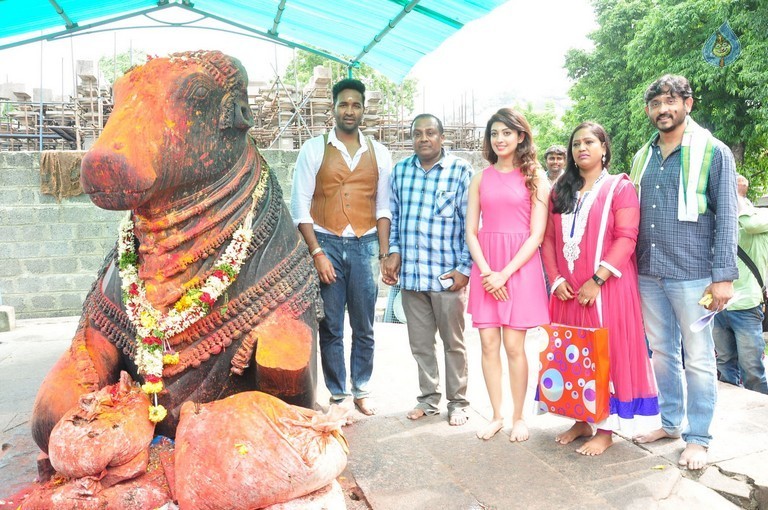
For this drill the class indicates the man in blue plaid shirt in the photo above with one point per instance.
(686, 259)
(430, 258)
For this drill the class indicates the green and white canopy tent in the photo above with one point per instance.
(388, 35)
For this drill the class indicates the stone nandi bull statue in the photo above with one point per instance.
(209, 271)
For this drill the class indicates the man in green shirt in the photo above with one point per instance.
(738, 330)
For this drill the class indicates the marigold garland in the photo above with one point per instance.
(153, 327)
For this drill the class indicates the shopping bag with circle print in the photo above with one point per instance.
(574, 373)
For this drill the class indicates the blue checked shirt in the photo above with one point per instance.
(428, 220)
(684, 250)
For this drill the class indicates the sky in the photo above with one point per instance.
(514, 55)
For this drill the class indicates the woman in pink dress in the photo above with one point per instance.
(588, 291)
(506, 220)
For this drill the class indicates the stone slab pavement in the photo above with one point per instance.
(396, 463)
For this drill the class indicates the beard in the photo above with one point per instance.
(675, 122)
(349, 129)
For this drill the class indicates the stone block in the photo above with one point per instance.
(10, 234)
(81, 246)
(10, 196)
(17, 216)
(37, 266)
(753, 465)
(734, 486)
(761, 497)
(7, 318)
(43, 304)
(15, 176)
(89, 264)
(55, 248)
(9, 267)
(88, 231)
(25, 249)
(62, 230)
(72, 301)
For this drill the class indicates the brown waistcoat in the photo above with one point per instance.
(345, 197)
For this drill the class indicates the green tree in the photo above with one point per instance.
(638, 41)
(396, 98)
(548, 128)
(605, 91)
(114, 67)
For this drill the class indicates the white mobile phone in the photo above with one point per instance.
(447, 282)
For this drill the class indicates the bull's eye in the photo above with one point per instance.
(196, 88)
(200, 92)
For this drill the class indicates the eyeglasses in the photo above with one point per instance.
(669, 101)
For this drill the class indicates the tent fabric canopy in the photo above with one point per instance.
(389, 35)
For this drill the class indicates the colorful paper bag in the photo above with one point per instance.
(574, 375)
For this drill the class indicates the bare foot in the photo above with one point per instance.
(577, 430)
(519, 431)
(491, 429)
(693, 457)
(654, 435)
(597, 445)
(457, 418)
(416, 413)
(366, 406)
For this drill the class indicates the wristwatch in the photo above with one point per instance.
(382, 256)
(599, 281)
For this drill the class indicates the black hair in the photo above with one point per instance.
(555, 149)
(348, 84)
(566, 187)
(672, 84)
(427, 116)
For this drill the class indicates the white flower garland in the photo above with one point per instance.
(153, 327)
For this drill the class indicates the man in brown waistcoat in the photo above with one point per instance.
(340, 203)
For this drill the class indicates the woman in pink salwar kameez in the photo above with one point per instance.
(591, 289)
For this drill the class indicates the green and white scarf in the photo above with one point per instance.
(697, 151)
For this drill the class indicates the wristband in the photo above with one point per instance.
(599, 281)
(316, 251)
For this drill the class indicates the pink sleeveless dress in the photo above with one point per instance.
(505, 224)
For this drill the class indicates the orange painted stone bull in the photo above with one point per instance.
(210, 291)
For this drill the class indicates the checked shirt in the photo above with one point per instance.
(428, 220)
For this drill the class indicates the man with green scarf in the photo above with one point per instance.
(686, 257)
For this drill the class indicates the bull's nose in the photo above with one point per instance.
(113, 182)
(108, 171)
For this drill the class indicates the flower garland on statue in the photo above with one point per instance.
(153, 327)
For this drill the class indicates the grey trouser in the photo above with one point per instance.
(427, 313)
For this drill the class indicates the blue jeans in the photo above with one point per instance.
(356, 261)
(740, 346)
(669, 308)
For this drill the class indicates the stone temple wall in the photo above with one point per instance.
(50, 252)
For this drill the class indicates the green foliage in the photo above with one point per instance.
(395, 99)
(113, 68)
(754, 167)
(547, 128)
(640, 40)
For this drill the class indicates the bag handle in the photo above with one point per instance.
(600, 239)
